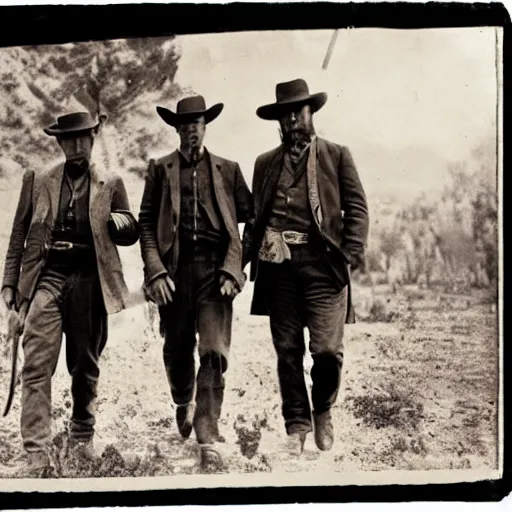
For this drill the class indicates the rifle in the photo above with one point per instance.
(15, 323)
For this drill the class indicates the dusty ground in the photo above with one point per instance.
(419, 392)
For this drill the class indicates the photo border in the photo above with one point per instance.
(43, 24)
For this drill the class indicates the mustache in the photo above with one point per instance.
(79, 157)
(297, 136)
(190, 137)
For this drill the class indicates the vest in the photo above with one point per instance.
(290, 210)
(200, 219)
(76, 229)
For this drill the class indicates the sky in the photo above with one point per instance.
(403, 101)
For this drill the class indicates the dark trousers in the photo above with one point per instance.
(72, 306)
(303, 292)
(198, 308)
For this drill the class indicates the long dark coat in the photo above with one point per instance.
(344, 229)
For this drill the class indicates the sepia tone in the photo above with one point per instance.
(418, 111)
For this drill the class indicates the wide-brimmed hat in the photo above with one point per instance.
(74, 122)
(189, 108)
(289, 95)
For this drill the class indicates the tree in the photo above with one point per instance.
(116, 78)
(115, 73)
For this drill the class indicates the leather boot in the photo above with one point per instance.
(83, 448)
(324, 430)
(211, 459)
(38, 465)
(184, 419)
(295, 443)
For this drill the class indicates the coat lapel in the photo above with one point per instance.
(220, 194)
(97, 203)
(312, 184)
(97, 182)
(172, 167)
(53, 185)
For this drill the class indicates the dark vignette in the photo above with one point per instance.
(54, 24)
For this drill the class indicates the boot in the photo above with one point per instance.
(295, 443)
(184, 419)
(38, 465)
(211, 459)
(83, 448)
(324, 430)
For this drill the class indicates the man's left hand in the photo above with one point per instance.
(228, 287)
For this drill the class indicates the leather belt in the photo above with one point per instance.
(294, 237)
(67, 246)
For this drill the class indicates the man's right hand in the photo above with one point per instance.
(9, 297)
(160, 290)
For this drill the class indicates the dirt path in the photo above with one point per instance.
(418, 393)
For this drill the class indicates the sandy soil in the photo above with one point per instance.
(419, 392)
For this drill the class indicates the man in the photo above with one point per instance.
(63, 268)
(310, 229)
(192, 204)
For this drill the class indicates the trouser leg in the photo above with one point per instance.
(283, 298)
(86, 329)
(179, 326)
(41, 345)
(214, 327)
(178, 352)
(326, 309)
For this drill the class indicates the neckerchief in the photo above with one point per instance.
(273, 247)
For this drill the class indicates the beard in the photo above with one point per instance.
(76, 167)
(296, 141)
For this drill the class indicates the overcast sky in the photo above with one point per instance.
(404, 101)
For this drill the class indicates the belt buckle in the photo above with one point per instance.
(293, 237)
(64, 246)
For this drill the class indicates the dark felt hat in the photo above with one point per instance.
(71, 123)
(189, 108)
(290, 95)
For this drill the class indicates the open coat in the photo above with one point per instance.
(343, 232)
(36, 213)
(159, 215)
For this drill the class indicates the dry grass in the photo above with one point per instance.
(421, 397)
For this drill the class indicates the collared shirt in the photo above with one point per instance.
(200, 215)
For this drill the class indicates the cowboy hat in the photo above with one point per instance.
(189, 108)
(71, 123)
(291, 94)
